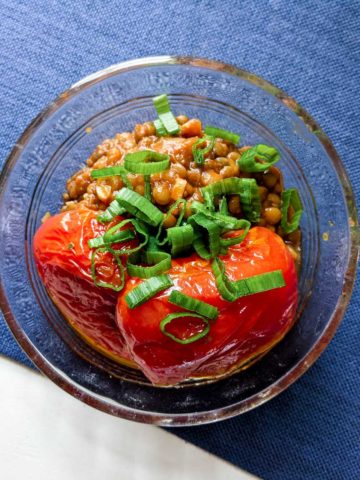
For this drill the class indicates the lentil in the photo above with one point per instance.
(183, 179)
(272, 215)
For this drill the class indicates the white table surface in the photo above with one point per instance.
(47, 434)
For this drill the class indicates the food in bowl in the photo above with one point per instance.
(176, 251)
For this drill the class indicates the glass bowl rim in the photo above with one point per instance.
(165, 419)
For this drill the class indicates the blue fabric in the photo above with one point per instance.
(311, 49)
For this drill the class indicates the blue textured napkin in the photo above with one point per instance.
(311, 49)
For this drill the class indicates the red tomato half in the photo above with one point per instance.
(243, 330)
(63, 260)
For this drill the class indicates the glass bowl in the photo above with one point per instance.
(61, 138)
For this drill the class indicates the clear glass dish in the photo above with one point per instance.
(60, 139)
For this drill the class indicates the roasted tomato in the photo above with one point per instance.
(63, 260)
(244, 329)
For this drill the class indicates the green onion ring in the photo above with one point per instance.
(193, 304)
(168, 213)
(113, 210)
(147, 289)
(224, 134)
(172, 316)
(291, 198)
(100, 283)
(160, 129)
(139, 206)
(146, 162)
(180, 238)
(199, 153)
(268, 156)
(158, 263)
(161, 104)
(117, 170)
(122, 236)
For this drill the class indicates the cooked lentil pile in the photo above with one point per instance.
(184, 179)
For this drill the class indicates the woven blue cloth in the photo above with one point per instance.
(311, 49)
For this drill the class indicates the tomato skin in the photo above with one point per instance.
(63, 259)
(244, 329)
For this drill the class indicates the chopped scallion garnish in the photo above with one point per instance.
(247, 190)
(208, 201)
(180, 239)
(111, 235)
(201, 222)
(258, 158)
(119, 236)
(167, 118)
(244, 227)
(160, 129)
(232, 290)
(147, 289)
(120, 267)
(175, 205)
(259, 283)
(199, 150)
(146, 162)
(193, 304)
(117, 170)
(156, 264)
(290, 198)
(139, 206)
(224, 134)
(223, 206)
(113, 210)
(184, 341)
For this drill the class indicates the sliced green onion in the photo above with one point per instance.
(193, 304)
(247, 190)
(250, 199)
(100, 283)
(198, 207)
(248, 162)
(209, 201)
(117, 170)
(147, 289)
(224, 134)
(290, 198)
(167, 118)
(122, 236)
(201, 221)
(182, 212)
(157, 263)
(223, 284)
(113, 210)
(231, 291)
(259, 283)
(200, 247)
(147, 187)
(198, 152)
(139, 206)
(168, 213)
(112, 233)
(225, 222)
(193, 338)
(180, 239)
(146, 162)
(160, 129)
(152, 245)
(243, 225)
(223, 206)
